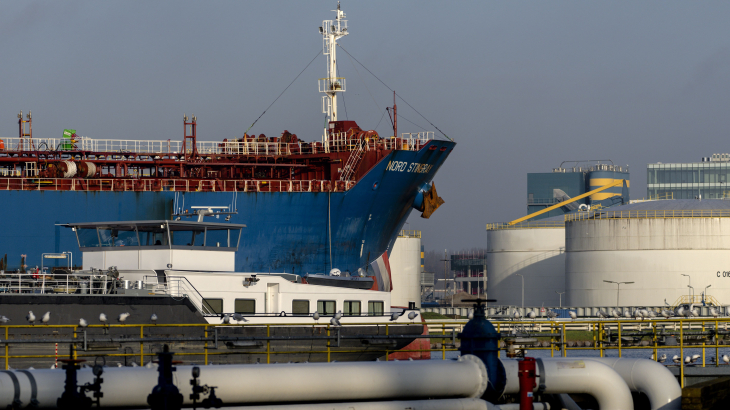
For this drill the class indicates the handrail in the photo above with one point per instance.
(649, 214)
(41, 282)
(498, 226)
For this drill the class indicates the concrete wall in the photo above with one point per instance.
(653, 253)
(405, 266)
(536, 253)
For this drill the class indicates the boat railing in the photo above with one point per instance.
(338, 142)
(179, 287)
(54, 283)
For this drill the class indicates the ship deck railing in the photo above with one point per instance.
(174, 149)
(54, 283)
(170, 184)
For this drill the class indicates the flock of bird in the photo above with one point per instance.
(689, 359)
(32, 318)
(638, 314)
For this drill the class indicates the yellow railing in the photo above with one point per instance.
(406, 233)
(604, 335)
(709, 300)
(526, 225)
(718, 213)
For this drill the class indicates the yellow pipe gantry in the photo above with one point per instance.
(558, 205)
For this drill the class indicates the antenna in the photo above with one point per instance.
(331, 31)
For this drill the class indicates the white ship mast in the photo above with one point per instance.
(331, 31)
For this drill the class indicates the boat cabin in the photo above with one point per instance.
(158, 244)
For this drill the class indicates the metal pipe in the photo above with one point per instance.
(648, 377)
(240, 384)
(575, 375)
(445, 404)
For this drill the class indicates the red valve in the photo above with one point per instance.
(526, 376)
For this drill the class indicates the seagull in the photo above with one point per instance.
(153, 318)
(572, 315)
(393, 317)
(335, 322)
(30, 317)
(714, 312)
(680, 311)
(470, 315)
(695, 357)
(663, 358)
(675, 359)
(687, 360)
(517, 314)
(83, 323)
(652, 313)
(338, 315)
(226, 319)
(666, 313)
(551, 314)
(315, 315)
(602, 314)
(412, 315)
(123, 316)
(239, 317)
(102, 318)
(627, 313)
(4, 319)
(46, 317)
(637, 314)
(615, 314)
(726, 359)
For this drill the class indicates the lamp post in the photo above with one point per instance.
(445, 260)
(618, 289)
(689, 285)
(704, 294)
(561, 297)
(523, 288)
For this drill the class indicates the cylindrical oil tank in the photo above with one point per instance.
(661, 247)
(405, 268)
(602, 177)
(535, 250)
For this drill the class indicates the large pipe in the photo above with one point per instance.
(648, 377)
(440, 404)
(277, 383)
(575, 375)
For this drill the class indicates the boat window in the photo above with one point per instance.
(88, 237)
(216, 238)
(375, 308)
(326, 307)
(214, 306)
(118, 236)
(300, 307)
(158, 237)
(246, 306)
(352, 308)
(187, 237)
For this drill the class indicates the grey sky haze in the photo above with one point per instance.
(521, 86)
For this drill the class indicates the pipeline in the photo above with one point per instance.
(648, 377)
(277, 383)
(575, 375)
(439, 404)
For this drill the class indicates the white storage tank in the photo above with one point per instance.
(535, 250)
(661, 246)
(405, 268)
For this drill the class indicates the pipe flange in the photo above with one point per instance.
(484, 380)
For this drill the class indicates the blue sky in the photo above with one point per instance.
(521, 86)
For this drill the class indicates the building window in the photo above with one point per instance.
(326, 307)
(214, 306)
(300, 307)
(352, 308)
(375, 308)
(245, 306)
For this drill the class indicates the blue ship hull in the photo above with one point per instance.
(296, 232)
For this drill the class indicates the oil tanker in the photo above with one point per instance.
(309, 207)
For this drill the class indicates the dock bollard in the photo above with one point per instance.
(481, 339)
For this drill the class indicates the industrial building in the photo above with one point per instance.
(526, 262)
(706, 179)
(469, 272)
(649, 253)
(572, 179)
